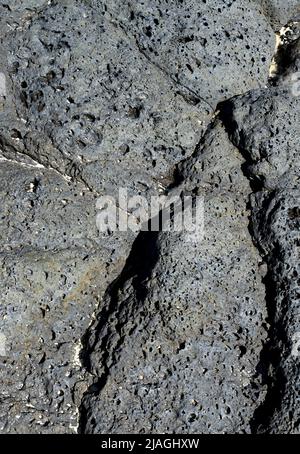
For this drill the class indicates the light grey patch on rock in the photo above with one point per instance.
(2, 344)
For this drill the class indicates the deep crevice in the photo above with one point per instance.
(226, 116)
(269, 367)
(139, 265)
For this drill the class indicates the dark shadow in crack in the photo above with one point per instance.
(138, 268)
(269, 368)
(273, 353)
(226, 116)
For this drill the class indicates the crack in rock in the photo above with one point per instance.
(272, 164)
(144, 343)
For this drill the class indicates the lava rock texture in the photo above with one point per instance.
(149, 332)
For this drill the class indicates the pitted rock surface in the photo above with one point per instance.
(149, 332)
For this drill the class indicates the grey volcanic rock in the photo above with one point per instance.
(77, 78)
(54, 269)
(210, 47)
(279, 12)
(99, 96)
(150, 332)
(179, 347)
(270, 137)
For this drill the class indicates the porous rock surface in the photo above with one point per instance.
(150, 332)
